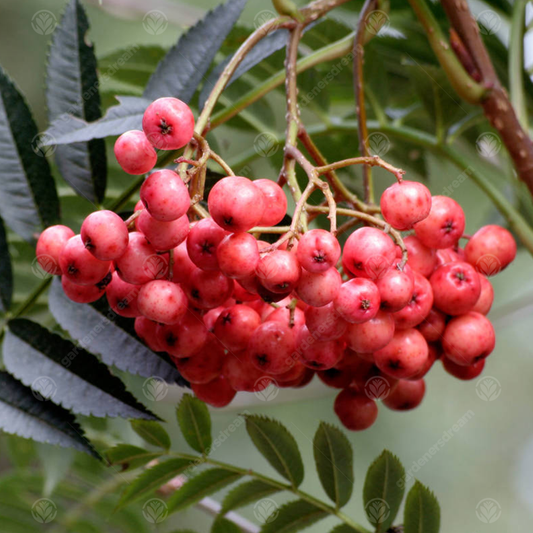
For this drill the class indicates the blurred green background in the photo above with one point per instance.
(490, 457)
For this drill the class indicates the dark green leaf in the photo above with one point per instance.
(152, 432)
(129, 456)
(183, 68)
(200, 486)
(277, 445)
(383, 491)
(249, 492)
(223, 525)
(28, 197)
(334, 462)
(72, 88)
(127, 115)
(66, 374)
(422, 511)
(6, 274)
(292, 517)
(104, 333)
(195, 423)
(153, 478)
(345, 528)
(23, 414)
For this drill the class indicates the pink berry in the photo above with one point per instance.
(105, 235)
(202, 244)
(418, 307)
(235, 204)
(217, 393)
(434, 353)
(432, 327)
(79, 265)
(318, 355)
(204, 366)
(235, 326)
(82, 294)
(279, 271)
(185, 338)
(358, 300)
(355, 410)
(134, 153)
(275, 202)
(421, 258)
(283, 315)
(165, 196)
(396, 288)
(163, 236)
(122, 297)
(486, 297)
(403, 204)
(372, 335)
(49, 246)
(444, 225)
(168, 123)
(238, 255)
(324, 323)
(368, 253)
(464, 373)
(318, 250)
(162, 301)
(147, 331)
(406, 395)
(243, 375)
(183, 266)
(320, 288)
(208, 289)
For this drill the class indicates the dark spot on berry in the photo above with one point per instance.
(319, 258)
(448, 226)
(460, 276)
(283, 286)
(358, 266)
(332, 372)
(195, 293)
(164, 127)
(88, 244)
(105, 282)
(262, 359)
(171, 339)
(365, 304)
(314, 364)
(228, 221)
(207, 248)
(226, 319)
(123, 304)
(394, 364)
(72, 270)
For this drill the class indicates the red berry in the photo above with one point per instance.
(486, 297)
(432, 327)
(208, 289)
(278, 271)
(372, 335)
(134, 153)
(243, 375)
(444, 225)
(185, 338)
(235, 326)
(235, 204)
(421, 258)
(490, 249)
(79, 265)
(403, 204)
(396, 288)
(456, 288)
(202, 244)
(357, 301)
(147, 331)
(404, 356)
(163, 236)
(183, 266)
(406, 395)
(320, 288)
(162, 301)
(464, 373)
(283, 315)
(368, 253)
(205, 365)
(82, 294)
(324, 323)
(168, 123)
(275, 202)
(238, 255)
(165, 196)
(49, 246)
(242, 295)
(122, 297)
(105, 235)
(468, 338)
(217, 393)
(355, 410)
(318, 250)
(434, 353)
(338, 378)
(448, 255)
(419, 306)
(318, 355)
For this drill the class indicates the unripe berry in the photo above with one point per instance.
(357, 301)
(162, 301)
(464, 373)
(217, 393)
(372, 335)
(122, 297)
(238, 255)
(278, 271)
(490, 249)
(147, 331)
(419, 306)
(134, 153)
(421, 258)
(105, 235)
(456, 288)
(486, 297)
(403, 204)
(404, 356)
(165, 196)
(82, 294)
(432, 327)
(168, 123)
(235, 204)
(444, 225)
(406, 395)
(320, 288)
(204, 366)
(235, 326)
(185, 338)
(79, 265)
(163, 236)
(396, 288)
(318, 250)
(208, 289)
(49, 246)
(318, 355)
(275, 202)
(468, 338)
(368, 253)
(355, 410)
(324, 323)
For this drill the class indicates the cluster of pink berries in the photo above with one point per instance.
(238, 314)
